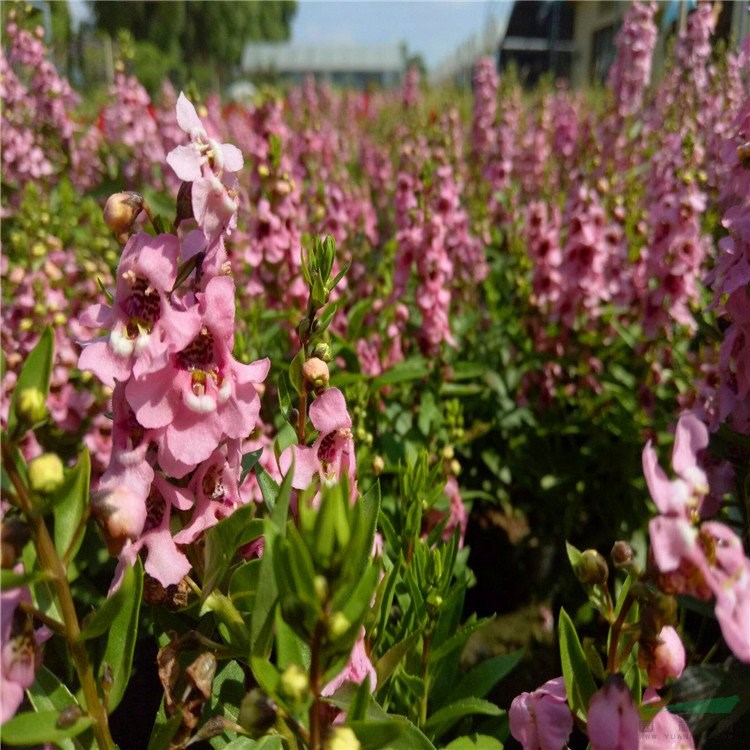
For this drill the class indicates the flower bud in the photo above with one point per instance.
(378, 464)
(257, 713)
(121, 211)
(121, 514)
(294, 684)
(338, 624)
(342, 738)
(316, 374)
(322, 350)
(31, 407)
(592, 568)
(622, 554)
(46, 474)
(321, 588)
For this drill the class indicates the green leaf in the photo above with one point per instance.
(36, 373)
(99, 621)
(266, 600)
(324, 321)
(70, 506)
(457, 640)
(11, 580)
(227, 692)
(446, 717)
(281, 508)
(397, 733)
(266, 674)
(574, 555)
(295, 372)
(579, 683)
(123, 633)
(40, 727)
(479, 681)
(290, 648)
(268, 486)
(475, 742)
(248, 461)
(164, 729)
(388, 662)
(340, 275)
(355, 315)
(414, 368)
(48, 694)
(223, 540)
(243, 585)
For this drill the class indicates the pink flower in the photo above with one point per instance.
(201, 395)
(141, 321)
(357, 670)
(663, 659)
(665, 730)
(332, 454)
(214, 486)
(542, 720)
(20, 656)
(613, 721)
(210, 166)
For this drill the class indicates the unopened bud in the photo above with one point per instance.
(315, 372)
(32, 407)
(321, 588)
(121, 514)
(455, 467)
(322, 350)
(46, 474)
(121, 210)
(378, 464)
(257, 713)
(448, 452)
(294, 684)
(622, 554)
(342, 738)
(592, 568)
(68, 716)
(338, 624)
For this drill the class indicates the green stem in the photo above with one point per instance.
(425, 678)
(50, 562)
(615, 635)
(50, 622)
(315, 686)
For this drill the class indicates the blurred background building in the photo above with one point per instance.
(354, 66)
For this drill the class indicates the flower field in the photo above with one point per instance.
(388, 419)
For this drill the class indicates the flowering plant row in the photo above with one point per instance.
(333, 325)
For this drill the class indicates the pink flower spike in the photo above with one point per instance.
(613, 721)
(542, 720)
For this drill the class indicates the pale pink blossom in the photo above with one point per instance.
(542, 720)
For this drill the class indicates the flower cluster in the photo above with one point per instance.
(182, 404)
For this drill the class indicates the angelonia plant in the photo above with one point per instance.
(284, 588)
(280, 378)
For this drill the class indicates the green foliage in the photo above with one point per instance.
(193, 37)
